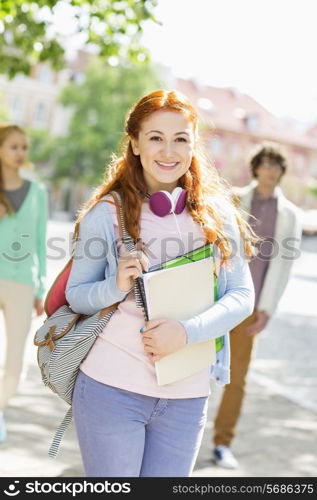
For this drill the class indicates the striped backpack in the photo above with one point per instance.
(66, 337)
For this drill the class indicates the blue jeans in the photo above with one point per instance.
(125, 434)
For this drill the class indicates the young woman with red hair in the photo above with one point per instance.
(128, 425)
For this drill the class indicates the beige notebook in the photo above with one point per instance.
(181, 293)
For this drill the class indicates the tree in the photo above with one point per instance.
(42, 145)
(3, 109)
(99, 107)
(28, 33)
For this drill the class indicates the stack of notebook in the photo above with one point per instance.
(180, 289)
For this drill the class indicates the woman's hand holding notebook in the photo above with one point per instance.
(181, 289)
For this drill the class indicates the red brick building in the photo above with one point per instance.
(233, 125)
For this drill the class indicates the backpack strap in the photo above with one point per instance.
(130, 246)
(60, 433)
(124, 235)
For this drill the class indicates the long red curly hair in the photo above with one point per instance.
(125, 175)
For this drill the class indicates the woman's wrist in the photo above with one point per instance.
(184, 332)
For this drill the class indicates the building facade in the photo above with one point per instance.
(234, 125)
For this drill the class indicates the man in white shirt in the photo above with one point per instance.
(277, 223)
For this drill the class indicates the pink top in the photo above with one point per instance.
(117, 358)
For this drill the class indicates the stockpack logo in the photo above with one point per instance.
(12, 490)
(65, 487)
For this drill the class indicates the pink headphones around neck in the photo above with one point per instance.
(163, 203)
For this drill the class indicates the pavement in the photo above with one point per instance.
(277, 431)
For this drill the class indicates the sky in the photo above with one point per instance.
(265, 48)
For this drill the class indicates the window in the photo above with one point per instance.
(78, 77)
(45, 74)
(216, 145)
(300, 162)
(40, 112)
(205, 104)
(234, 151)
(252, 122)
(17, 107)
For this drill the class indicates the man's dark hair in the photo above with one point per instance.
(267, 153)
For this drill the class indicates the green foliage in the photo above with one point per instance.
(99, 106)
(313, 191)
(28, 34)
(3, 109)
(42, 146)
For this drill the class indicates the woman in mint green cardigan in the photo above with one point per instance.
(23, 218)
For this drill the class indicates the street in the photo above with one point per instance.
(277, 431)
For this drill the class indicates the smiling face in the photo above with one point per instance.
(165, 145)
